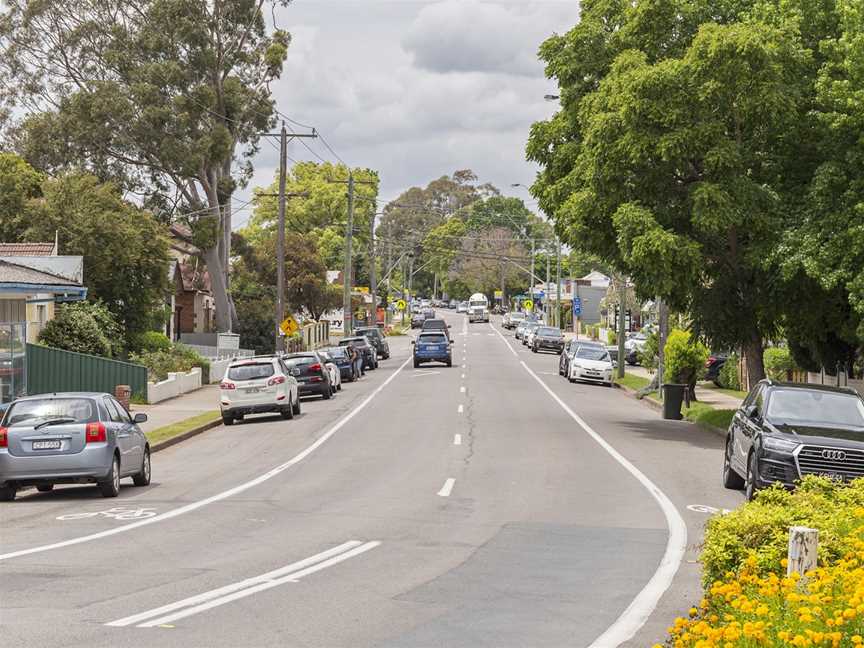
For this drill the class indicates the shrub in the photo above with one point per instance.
(611, 338)
(649, 353)
(84, 327)
(685, 358)
(728, 375)
(178, 358)
(152, 341)
(778, 363)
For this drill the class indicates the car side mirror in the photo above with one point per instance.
(140, 417)
(751, 411)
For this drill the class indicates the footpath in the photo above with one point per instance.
(706, 395)
(177, 419)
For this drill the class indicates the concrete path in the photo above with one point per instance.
(179, 409)
(704, 393)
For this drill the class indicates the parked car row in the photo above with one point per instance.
(80, 438)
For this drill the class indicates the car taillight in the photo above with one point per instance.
(276, 380)
(4, 437)
(315, 367)
(95, 433)
(711, 360)
(227, 385)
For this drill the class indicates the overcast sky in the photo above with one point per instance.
(417, 88)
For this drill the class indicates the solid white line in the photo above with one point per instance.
(233, 587)
(461, 408)
(447, 488)
(289, 578)
(457, 439)
(194, 506)
(641, 607)
(462, 389)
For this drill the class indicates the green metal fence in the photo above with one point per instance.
(52, 370)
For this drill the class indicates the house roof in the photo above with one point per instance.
(12, 273)
(27, 249)
(194, 279)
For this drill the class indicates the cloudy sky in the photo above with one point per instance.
(418, 88)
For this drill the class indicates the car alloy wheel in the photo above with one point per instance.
(143, 478)
(110, 487)
(731, 479)
(750, 487)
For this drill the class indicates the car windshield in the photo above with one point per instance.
(548, 331)
(805, 406)
(435, 324)
(28, 412)
(592, 353)
(478, 303)
(432, 339)
(254, 371)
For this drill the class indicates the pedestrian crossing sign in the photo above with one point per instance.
(289, 326)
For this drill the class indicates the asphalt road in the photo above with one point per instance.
(487, 504)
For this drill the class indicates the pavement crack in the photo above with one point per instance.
(471, 424)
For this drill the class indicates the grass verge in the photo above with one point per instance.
(633, 381)
(722, 390)
(181, 427)
(707, 415)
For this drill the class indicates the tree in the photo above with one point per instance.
(170, 96)
(679, 153)
(125, 250)
(19, 184)
(83, 327)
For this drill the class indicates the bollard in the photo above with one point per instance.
(123, 393)
(803, 550)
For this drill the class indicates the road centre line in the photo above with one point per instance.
(463, 376)
(462, 389)
(194, 506)
(457, 439)
(641, 607)
(241, 589)
(461, 408)
(447, 488)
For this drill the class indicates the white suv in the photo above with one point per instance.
(259, 384)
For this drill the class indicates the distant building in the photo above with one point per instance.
(190, 301)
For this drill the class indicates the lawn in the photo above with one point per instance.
(707, 415)
(175, 429)
(633, 381)
(722, 390)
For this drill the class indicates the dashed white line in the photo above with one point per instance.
(463, 376)
(462, 389)
(447, 488)
(461, 409)
(457, 439)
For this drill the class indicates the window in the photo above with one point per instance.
(124, 415)
(815, 407)
(254, 371)
(113, 411)
(28, 412)
(432, 339)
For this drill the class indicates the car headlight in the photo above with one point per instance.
(779, 444)
(575, 365)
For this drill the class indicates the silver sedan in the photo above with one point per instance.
(71, 438)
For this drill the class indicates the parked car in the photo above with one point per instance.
(548, 338)
(633, 345)
(348, 361)
(332, 369)
(258, 385)
(362, 344)
(520, 328)
(432, 346)
(312, 374)
(417, 320)
(71, 438)
(529, 331)
(570, 348)
(612, 350)
(713, 365)
(438, 325)
(462, 307)
(591, 363)
(376, 338)
(512, 320)
(783, 431)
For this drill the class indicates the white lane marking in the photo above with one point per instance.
(420, 374)
(289, 574)
(476, 334)
(233, 587)
(464, 366)
(116, 513)
(461, 408)
(457, 439)
(462, 389)
(641, 607)
(447, 488)
(463, 376)
(194, 506)
(491, 334)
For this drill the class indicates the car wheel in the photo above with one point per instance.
(339, 386)
(143, 478)
(8, 493)
(110, 486)
(227, 420)
(287, 413)
(416, 363)
(325, 395)
(449, 363)
(45, 488)
(571, 379)
(534, 349)
(731, 479)
(296, 405)
(750, 487)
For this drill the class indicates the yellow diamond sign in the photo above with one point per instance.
(528, 305)
(289, 326)
(401, 305)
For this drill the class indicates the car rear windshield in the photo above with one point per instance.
(434, 324)
(815, 407)
(30, 412)
(548, 331)
(254, 371)
(337, 353)
(296, 361)
(589, 353)
(369, 332)
(433, 339)
(354, 342)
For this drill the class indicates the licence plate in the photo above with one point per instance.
(432, 348)
(253, 390)
(46, 445)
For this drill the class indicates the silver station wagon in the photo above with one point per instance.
(71, 438)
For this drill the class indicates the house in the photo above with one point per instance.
(190, 301)
(33, 279)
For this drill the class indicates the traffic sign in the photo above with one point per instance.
(289, 326)
(528, 305)
(401, 305)
(577, 306)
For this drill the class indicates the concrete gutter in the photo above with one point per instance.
(167, 443)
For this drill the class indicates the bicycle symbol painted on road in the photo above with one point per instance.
(710, 510)
(116, 513)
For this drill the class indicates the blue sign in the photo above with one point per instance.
(577, 306)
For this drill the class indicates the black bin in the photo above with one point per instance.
(673, 398)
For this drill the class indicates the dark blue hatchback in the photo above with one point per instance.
(431, 347)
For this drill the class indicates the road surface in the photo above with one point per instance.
(487, 504)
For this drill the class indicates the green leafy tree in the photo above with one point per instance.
(168, 95)
(19, 184)
(125, 250)
(83, 327)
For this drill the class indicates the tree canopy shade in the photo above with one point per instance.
(169, 96)
(683, 151)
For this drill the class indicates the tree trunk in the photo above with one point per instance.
(753, 349)
(224, 307)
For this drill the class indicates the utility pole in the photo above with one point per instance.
(546, 298)
(662, 333)
(622, 299)
(531, 274)
(389, 270)
(373, 283)
(280, 242)
(558, 281)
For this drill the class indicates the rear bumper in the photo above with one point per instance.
(557, 348)
(91, 464)
(255, 409)
(313, 389)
